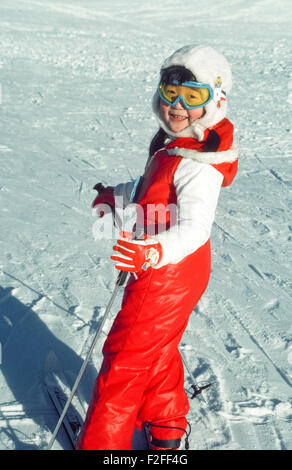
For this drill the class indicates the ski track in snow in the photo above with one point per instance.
(77, 79)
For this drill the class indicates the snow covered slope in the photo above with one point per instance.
(77, 78)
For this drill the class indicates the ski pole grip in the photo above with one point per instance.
(122, 278)
(98, 187)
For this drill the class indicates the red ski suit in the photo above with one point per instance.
(142, 377)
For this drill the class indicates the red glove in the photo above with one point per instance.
(105, 196)
(136, 255)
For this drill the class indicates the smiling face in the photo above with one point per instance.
(178, 118)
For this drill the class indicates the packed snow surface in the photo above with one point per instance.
(77, 78)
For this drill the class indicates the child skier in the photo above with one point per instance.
(141, 381)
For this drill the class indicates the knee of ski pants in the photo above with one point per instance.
(168, 430)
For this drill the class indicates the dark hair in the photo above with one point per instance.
(176, 72)
(158, 141)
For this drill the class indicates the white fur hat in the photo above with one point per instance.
(210, 67)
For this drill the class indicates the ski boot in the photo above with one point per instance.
(165, 444)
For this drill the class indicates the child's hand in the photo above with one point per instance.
(136, 255)
(105, 196)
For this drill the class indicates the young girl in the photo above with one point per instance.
(141, 381)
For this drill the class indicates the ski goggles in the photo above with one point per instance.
(192, 94)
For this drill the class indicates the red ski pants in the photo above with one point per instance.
(142, 377)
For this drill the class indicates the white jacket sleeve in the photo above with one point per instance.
(197, 188)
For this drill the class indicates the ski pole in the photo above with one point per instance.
(197, 388)
(122, 276)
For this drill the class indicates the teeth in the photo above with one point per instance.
(177, 116)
